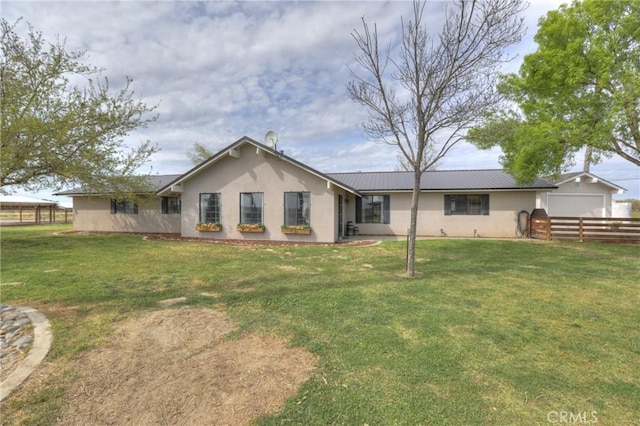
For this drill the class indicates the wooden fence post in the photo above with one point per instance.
(548, 228)
(581, 230)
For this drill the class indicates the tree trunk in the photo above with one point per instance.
(586, 166)
(413, 227)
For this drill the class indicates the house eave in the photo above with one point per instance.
(460, 190)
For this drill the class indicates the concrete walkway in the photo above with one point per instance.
(355, 238)
(41, 344)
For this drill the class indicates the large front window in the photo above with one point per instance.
(466, 204)
(372, 209)
(297, 208)
(251, 207)
(210, 208)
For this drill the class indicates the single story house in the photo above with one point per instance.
(249, 190)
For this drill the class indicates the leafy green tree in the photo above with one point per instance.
(580, 89)
(54, 134)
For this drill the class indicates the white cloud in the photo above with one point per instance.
(221, 70)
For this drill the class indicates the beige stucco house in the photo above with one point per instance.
(251, 191)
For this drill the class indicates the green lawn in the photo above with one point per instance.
(489, 332)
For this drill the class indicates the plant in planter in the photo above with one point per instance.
(250, 227)
(208, 227)
(296, 229)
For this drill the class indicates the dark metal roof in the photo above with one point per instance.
(159, 181)
(438, 180)
(155, 182)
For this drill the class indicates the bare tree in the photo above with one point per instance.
(425, 95)
(427, 162)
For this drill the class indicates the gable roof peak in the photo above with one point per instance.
(229, 151)
(568, 177)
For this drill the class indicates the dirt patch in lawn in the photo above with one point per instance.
(174, 366)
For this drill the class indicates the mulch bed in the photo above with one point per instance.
(248, 243)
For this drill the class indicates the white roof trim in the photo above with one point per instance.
(594, 179)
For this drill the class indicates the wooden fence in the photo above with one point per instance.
(603, 229)
(29, 215)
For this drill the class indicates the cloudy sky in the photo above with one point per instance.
(222, 70)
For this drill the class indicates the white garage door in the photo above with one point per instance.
(576, 205)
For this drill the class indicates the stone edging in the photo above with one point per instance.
(41, 344)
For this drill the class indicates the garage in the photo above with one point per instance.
(577, 205)
(580, 194)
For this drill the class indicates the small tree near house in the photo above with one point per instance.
(425, 95)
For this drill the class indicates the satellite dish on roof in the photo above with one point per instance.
(271, 139)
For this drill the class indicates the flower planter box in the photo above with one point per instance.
(295, 230)
(250, 228)
(208, 227)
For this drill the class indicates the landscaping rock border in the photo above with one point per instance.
(25, 339)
